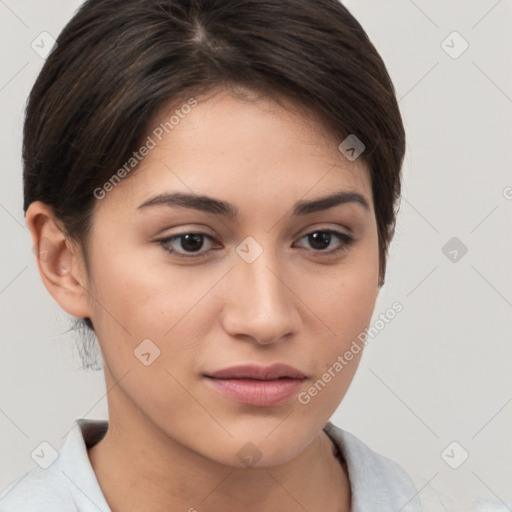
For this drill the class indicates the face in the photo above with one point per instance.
(240, 272)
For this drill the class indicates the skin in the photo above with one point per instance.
(171, 438)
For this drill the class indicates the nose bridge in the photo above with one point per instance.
(259, 304)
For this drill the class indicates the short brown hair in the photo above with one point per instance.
(118, 61)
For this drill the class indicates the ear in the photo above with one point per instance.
(59, 261)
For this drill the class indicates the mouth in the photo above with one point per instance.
(256, 385)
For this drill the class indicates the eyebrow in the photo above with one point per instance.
(217, 206)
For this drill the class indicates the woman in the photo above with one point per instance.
(212, 187)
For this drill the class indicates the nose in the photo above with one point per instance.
(260, 304)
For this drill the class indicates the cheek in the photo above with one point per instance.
(137, 295)
(347, 310)
(352, 309)
(167, 305)
(344, 298)
(343, 303)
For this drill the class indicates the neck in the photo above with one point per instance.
(160, 472)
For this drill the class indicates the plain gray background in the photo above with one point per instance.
(440, 371)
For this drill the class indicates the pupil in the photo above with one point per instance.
(320, 239)
(192, 242)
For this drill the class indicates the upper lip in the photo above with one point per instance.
(272, 372)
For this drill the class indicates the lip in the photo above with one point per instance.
(251, 371)
(260, 386)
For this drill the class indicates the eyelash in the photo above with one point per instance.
(346, 242)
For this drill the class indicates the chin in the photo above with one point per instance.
(261, 444)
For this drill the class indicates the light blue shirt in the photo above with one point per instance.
(69, 484)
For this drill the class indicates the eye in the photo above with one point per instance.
(192, 244)
(186, 244)
(321, 239)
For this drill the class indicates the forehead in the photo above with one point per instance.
(250, 149)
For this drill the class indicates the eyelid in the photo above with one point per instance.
(319, 226)
(199, 229)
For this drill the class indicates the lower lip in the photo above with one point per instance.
(260, 393)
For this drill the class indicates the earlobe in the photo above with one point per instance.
(59, 262)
